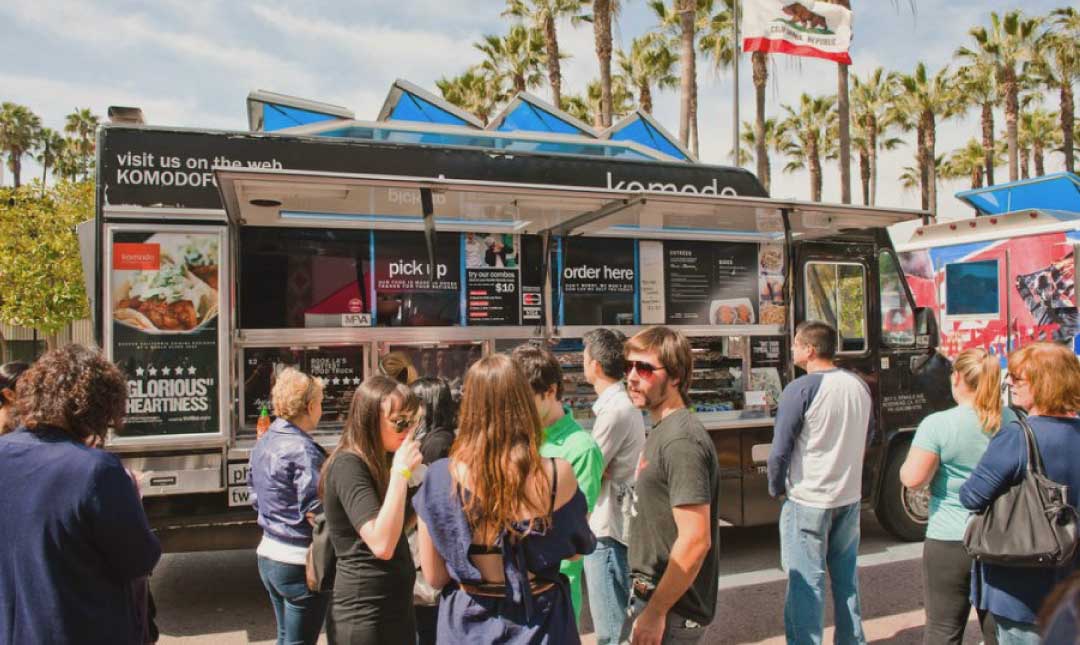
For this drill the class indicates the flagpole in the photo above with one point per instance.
(735, 111)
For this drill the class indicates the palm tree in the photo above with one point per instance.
(604, 12)
(760, 63)
(53, 148)
(649, 64)
(967, 162)
(843, 110)
(1039, 129)
(518, 57)
(922, 101)
(752, 147)
(911, 177)
(681, 22)
(806, 132)
(717, 42)
(476, 91)
(1058, 67)
(1011, 41)
(977, 85)
(543, 16)
(871, 100)
(81, 125)
(19, 131)
(868, 147)
(587, 107)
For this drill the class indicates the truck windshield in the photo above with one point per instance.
(836, 294)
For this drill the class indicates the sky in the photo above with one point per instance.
(191, 63)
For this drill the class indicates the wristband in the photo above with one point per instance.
(405, 473)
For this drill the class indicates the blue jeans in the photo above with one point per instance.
(1010, 632)
(607, 576)
(813, 541)
(300, 612)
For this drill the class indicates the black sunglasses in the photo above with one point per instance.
(643, 368)
(403, 424)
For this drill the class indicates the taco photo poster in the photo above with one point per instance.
(164, 301)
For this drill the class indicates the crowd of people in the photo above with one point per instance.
(476, 520)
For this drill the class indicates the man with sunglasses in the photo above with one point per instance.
(674, 521)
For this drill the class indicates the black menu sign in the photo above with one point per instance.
(341, 370)
(766, 351)
(709, 283)
(492, 265)
(409, 292)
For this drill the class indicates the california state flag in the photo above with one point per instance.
(797, 27)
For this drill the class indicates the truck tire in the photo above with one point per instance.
(903, 512)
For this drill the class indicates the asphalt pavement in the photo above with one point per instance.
(216, 598)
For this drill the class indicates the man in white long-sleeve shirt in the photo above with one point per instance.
(619, 430)
(815, 466)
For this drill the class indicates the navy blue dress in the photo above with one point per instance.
(518, 618)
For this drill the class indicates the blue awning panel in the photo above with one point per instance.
(531, 118)
(477, 139)
(277, 117)
(639, 131)
(1060, 191)
(413, 108)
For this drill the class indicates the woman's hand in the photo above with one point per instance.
(408, 455)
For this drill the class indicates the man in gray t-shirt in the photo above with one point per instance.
(674, 529)
(619, 430)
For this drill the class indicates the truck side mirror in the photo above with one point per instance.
(926, 325)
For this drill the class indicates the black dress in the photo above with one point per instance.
(372, 597)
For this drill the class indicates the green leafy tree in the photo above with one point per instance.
(40, 266)
(20, 130)
(543, 16)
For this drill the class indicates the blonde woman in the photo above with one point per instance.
(285, 466)
(946, 448)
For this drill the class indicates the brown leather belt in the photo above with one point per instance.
(642, 588)
(498, 590)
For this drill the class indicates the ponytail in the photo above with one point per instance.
(981, 372)
(988, 395)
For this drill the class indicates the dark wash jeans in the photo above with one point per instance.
(300, 612)
(947, 592)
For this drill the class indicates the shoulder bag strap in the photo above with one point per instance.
(1034, 457)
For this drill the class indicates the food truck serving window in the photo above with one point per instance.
(971, 289)
(341, 370)
(897, 321)
(836, 294)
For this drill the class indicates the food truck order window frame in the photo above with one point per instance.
(278, 198)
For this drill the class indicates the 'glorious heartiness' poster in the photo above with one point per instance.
(164, 303)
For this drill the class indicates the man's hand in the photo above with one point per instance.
(648, 628)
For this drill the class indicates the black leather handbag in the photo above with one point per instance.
(321, 565)
(1031, 525)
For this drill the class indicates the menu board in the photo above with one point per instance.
(164, 300)
(407, 291)
(710, 283)
(340, 368)
(492, 279)
(598, 280)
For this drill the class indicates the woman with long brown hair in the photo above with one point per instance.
(495, 519)
(363, 491)
(944, 452)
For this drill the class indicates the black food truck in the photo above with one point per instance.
(220, 258)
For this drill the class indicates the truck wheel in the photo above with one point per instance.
(902, 511)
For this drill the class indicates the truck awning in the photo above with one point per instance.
(1057, 192)
(286, 198)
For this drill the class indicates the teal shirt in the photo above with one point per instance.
(566, 439)
(957, 438)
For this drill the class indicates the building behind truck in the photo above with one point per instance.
(319, 241)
